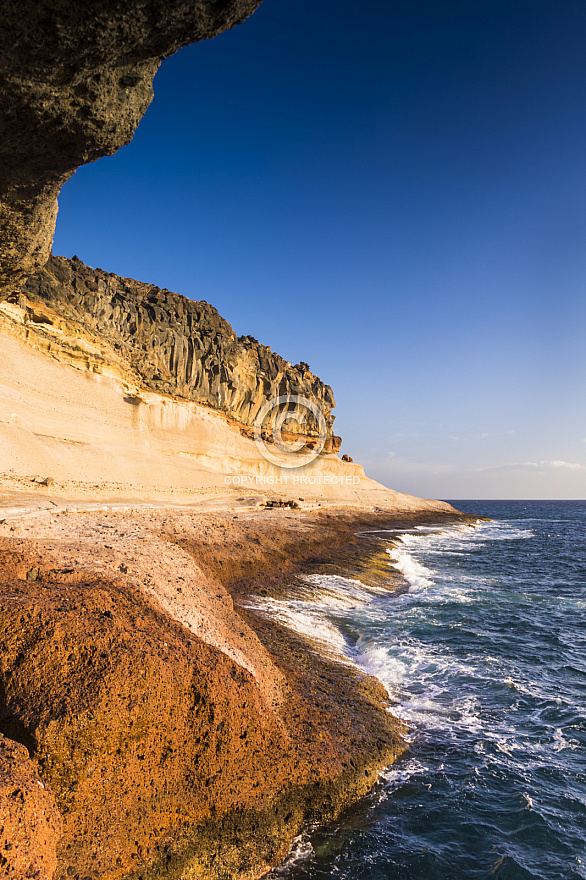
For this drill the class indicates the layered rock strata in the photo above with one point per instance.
(75, 80)
(70, 411)
(166, 343)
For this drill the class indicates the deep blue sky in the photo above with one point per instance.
(394, 192)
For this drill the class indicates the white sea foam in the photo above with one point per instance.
(415, 573)
(306, 618)
(507, 744)
(560, 742)
(419, 681)
(344, 588)
(462, 537)
(423, 581)
(416, 547)
(315, 613)
(301, 850)
(398, 775)
(518, 687)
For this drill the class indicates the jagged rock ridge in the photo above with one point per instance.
(176, 346)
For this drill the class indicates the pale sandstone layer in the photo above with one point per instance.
(65, 416)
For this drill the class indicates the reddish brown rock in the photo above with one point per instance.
(164, 755)
(30, 824)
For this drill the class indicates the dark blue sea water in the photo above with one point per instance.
(485, 658)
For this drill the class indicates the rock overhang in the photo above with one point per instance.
(75, 81)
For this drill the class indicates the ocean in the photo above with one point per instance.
(484, 656)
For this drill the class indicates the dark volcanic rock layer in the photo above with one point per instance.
(75, 80)
(176, 346)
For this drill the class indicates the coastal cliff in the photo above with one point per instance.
(153, 724)
(169, 344)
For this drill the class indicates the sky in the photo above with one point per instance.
(393, 191)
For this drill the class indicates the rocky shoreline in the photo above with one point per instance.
(176, 732)
(152, 723)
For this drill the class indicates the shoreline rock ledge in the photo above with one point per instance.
(152, 724)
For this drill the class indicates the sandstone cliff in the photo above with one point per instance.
(70, 410)
(166, 343)
(75, 80)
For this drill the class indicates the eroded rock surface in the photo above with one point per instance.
(75, 80)
(173, 345)
(167, 758)
(30, 824)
